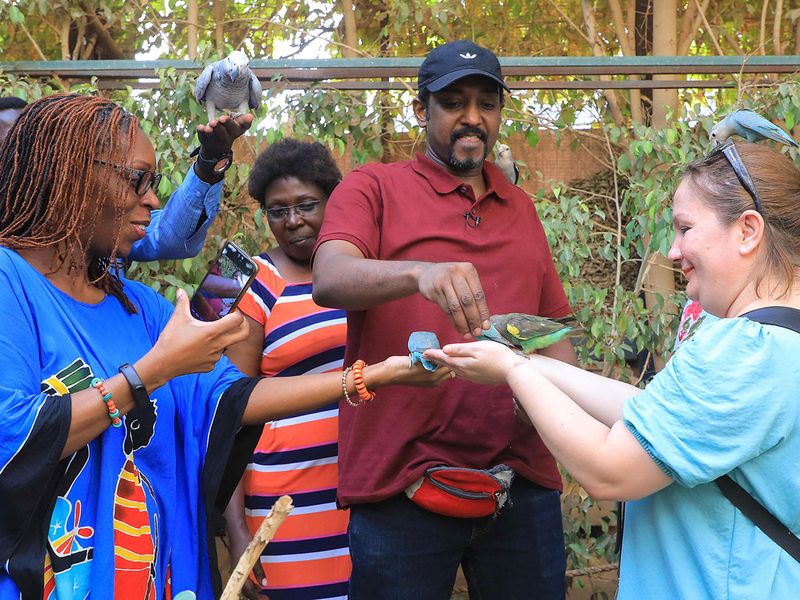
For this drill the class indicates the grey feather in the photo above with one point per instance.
(751, 126)
(228, 84)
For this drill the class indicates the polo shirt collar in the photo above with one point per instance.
(445, 183)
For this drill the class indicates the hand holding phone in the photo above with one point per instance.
(226, 281)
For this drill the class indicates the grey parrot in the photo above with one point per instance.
(749, 125)
(228, 84)
(506, 163)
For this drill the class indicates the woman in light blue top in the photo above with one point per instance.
(728, 402)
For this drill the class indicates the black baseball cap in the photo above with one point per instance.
(455, 60)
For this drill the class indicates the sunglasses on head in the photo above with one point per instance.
(728, 150)
(141, 180)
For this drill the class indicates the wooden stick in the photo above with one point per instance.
(267, 529)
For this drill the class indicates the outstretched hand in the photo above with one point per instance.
(216, 138)
(187, 345)
(456, 288)
(481, 362)
(400, 371)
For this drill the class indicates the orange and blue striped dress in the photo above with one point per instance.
(309, 556)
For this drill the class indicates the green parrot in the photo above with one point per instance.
(527, 332)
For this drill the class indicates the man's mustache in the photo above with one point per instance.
(466, 132)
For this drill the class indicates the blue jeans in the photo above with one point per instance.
(401, 551)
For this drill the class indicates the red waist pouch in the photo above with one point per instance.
(462, 492)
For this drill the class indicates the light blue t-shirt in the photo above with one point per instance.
(727, 402)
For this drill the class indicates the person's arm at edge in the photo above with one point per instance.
(562, 350)
(180, 228)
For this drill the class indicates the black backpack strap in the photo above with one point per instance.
(789, 318)
(760, 516)
(782, 316)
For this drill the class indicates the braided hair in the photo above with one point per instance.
(48, 189)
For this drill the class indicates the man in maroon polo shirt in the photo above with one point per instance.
(435, 244)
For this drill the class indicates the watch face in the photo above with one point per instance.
(222, 164)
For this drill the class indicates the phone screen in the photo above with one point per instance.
(225, 283)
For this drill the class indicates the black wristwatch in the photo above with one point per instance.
(138, 391)
(217, 165)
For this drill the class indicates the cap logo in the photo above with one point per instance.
(468, 56)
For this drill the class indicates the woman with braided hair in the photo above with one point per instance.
(118, 416)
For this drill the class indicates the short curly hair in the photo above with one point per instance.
(308, 161)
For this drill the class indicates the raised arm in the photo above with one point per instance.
(344, 278)
(180, 229)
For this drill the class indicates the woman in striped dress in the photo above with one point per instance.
(291, 335)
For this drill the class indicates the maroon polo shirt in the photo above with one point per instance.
(415, 211)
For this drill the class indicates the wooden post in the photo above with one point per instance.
(659, 278)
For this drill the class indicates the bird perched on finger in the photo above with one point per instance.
(751, 126)
(528, 332)
(418, 342)
(506, 164)
(228, 84)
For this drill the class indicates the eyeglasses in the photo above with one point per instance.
(728, 149)
(140, 179)
(303, 209)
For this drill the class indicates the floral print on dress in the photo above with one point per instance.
(691, 318)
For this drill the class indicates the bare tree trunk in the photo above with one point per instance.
(762, 32)
(627, 43)
(797, 36)
(192, 20)
(643, 43)
(597, 50)
(63, 30)
(777, 46)
(219, 29)
(350, 31)
(660, 279)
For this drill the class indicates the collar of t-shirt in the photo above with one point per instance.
(444, 182)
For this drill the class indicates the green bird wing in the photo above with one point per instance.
(517, 327)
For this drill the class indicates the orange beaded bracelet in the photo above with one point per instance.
(358, 378)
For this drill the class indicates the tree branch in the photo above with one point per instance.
(708, 28)
(571, 22)
(103, 37)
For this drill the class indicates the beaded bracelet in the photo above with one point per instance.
(113, 411)
(344, 387)
(358, 379)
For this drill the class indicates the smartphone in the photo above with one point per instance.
(227, 280)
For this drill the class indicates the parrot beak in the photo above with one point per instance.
(234, 73)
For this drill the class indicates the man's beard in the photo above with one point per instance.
(467, 164)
